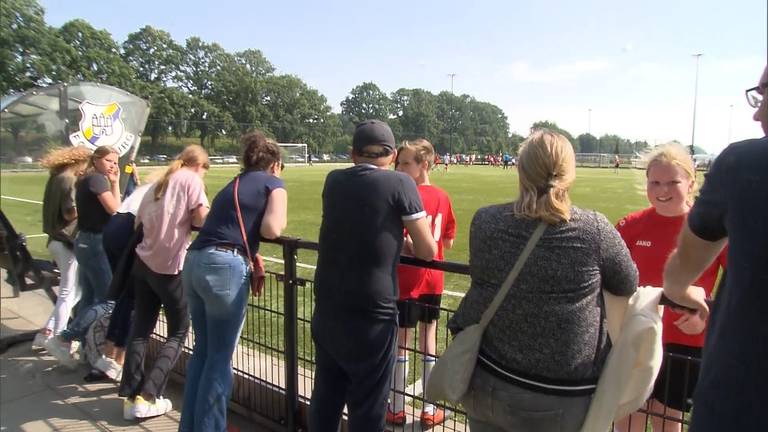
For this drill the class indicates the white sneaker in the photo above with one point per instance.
(110, 367)
(61, 350)
(143, 409)
(128, 409)
(38, 343)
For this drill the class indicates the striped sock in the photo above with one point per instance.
(429, 363)
(397, 397)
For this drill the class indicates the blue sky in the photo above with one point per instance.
(630, 63)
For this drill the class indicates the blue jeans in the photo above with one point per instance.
(94, 276)
(217, 286)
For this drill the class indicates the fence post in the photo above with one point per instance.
(290, 306)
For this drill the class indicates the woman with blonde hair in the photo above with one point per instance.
(64, 165)
(544, 349)
(651, 235)
(169, 211)
(97, 198)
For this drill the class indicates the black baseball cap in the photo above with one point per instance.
(372, 132)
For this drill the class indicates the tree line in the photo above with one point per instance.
(200, 91)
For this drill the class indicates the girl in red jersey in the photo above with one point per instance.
(420, 289)
(651, 235)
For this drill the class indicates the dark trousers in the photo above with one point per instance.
(120, 323)
(152, 291)
(354, 362)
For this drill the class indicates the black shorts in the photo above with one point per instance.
(426, 308)
(677, 378)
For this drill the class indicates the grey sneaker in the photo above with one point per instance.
(38, 343)
(61, 350)
(110, 367)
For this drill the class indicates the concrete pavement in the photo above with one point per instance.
(38, 395)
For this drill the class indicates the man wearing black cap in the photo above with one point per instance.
(354, 325)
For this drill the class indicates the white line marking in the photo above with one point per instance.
(20, 199)
(309, 266)
(36, 235)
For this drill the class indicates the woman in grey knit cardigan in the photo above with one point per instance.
(543, 351)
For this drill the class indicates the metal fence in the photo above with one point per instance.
(274, 362)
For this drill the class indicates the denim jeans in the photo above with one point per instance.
(94, 276)
(494, 405)
(217, 286)
(69, 293)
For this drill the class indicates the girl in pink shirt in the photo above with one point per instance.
(168, 213)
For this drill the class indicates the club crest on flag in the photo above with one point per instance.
(102, 125)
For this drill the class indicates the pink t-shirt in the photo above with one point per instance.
(168, 221)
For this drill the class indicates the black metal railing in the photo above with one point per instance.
(274, 363)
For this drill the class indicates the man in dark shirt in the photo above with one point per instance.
(731, 392)
(354, 325)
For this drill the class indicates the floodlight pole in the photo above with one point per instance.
(695, 96)
(450, 138)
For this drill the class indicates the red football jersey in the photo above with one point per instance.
(650, 238)
(415, 281)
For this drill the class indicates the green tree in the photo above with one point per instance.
(546, 124)
(587, 143)
(299, 114)
(153, 55)
(366, 101)
(91, 55)
(27, 46)
(418, 116)
(239, 87)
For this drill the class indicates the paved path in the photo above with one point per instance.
(38, 395)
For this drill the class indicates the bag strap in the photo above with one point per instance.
(505, 287)
(242, 225)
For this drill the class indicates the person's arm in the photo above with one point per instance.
(685, 264)
(424, 245)
(199, 214)
(276, 215)
(109, 200)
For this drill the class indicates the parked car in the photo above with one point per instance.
(229, 159)
(23, 159)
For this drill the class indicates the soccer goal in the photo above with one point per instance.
(294, 153)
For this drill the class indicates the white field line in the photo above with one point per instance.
(20, 199)
(309, 266)
(266, 258)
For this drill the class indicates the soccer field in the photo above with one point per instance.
(469, 187)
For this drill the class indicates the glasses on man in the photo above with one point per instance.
(755, 95)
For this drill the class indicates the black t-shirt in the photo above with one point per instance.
(361, 237)
(734, 203)
(91, 215)
(221, 226)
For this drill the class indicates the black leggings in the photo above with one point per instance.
(153, 290)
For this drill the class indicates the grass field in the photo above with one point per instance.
(469, 187)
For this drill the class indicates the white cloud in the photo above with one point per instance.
(523, 71)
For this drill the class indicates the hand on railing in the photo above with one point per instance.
(258, 276)
(665, 301)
